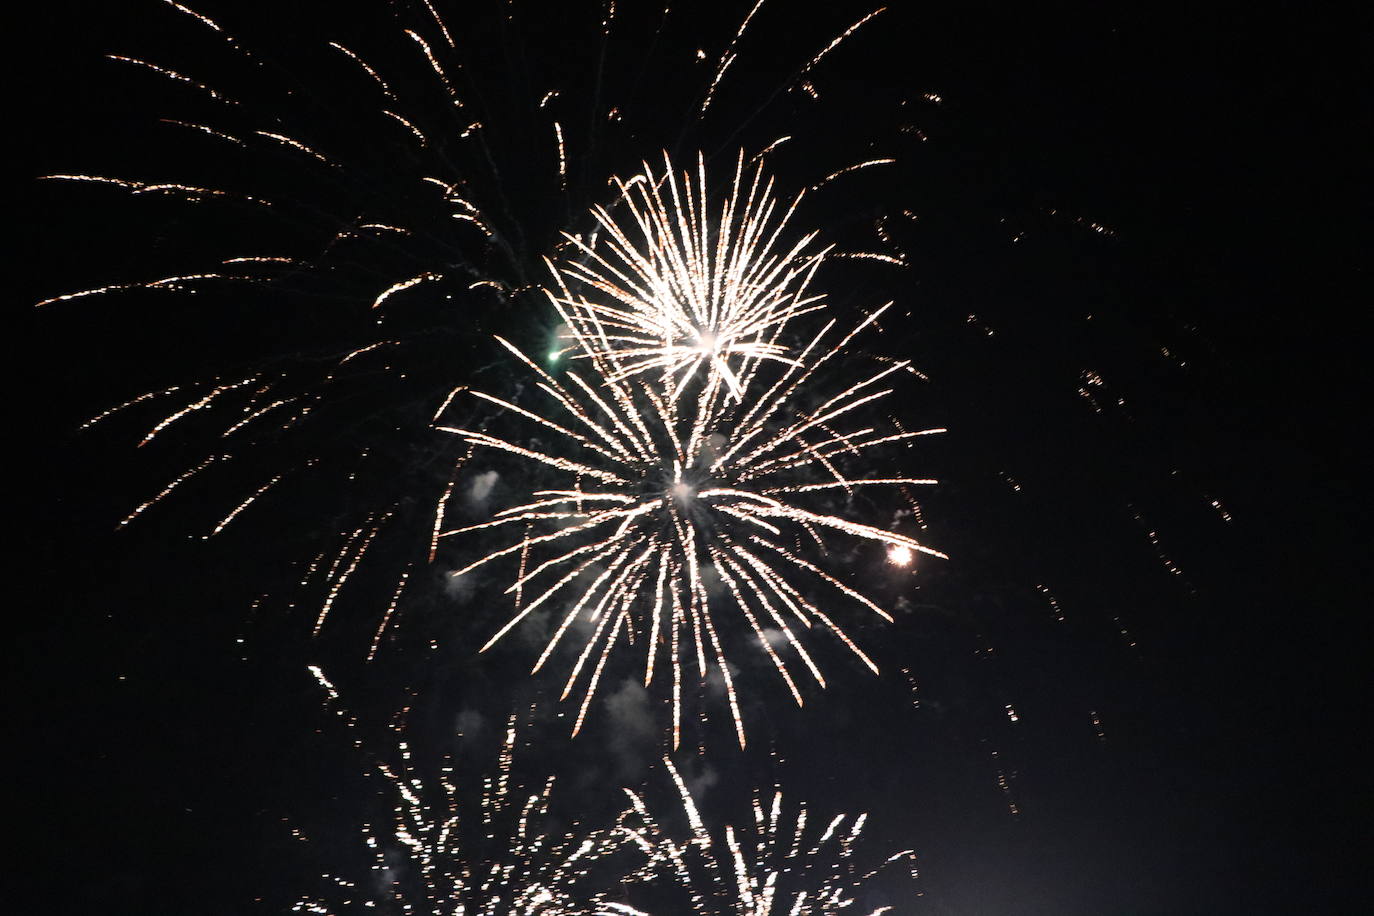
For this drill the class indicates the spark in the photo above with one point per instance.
(1153, 536)
(424, 141)
(438, 68)
(386, 90)
(367, 349)
(1054, 604)
(385, 228)
(447, 401)
(390, 610)
(404, 285)
(190, 192)
(146, 396)
(175, 482)
(726, 59)
(206, 20)
(210, 131)
(1221, 510)
(175, 76)
(296, 145)
(869, 256)
(1004, 782)
(224, 522)
(439, 20)
(841, 37)
(850, 168)
(259, 260)
(562, 156)
(769, 148)
(255, 414)
(343, 577)
(194, 406)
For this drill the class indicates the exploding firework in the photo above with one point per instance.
(680, 292)
(783, 863)
(419, 219)
(677, 487)
(506, 858)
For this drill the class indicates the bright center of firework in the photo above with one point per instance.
(899, 555)
(682, 491)
(706, 342)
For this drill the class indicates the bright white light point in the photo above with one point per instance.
(899, 555)
(706, 342)
(682, 492)
(554, 355)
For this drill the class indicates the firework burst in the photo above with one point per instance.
(507, 858)
(782, 863)
(676, 291)
(410, 212)
(675, 488)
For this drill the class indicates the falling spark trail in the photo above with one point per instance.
(402, 286)
(175, 482)
(175, 76)
(811, 65)
(390, 610)
(850, 168)
(243, 505)
(146, 396)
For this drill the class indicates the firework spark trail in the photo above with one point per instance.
(811, 64)
(390, 610)
(192, 193)
(677, 484)
(774, 867)
(726, 59)
(436, 853)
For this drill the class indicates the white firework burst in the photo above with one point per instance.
(783, 864)
(673, 491)
(503, 859)
(677, 288)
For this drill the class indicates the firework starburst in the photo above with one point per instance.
(436, 853)
(677, 288)
(781, 864)
(677, 487)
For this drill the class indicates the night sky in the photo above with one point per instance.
(1134, 277)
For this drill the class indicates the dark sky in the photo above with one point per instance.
(159, 755)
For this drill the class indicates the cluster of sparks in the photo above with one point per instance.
(693, 451)
(704, 438)
(511, 861)
(782, 864)
(482, 246)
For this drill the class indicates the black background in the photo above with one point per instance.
(1223, 147)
